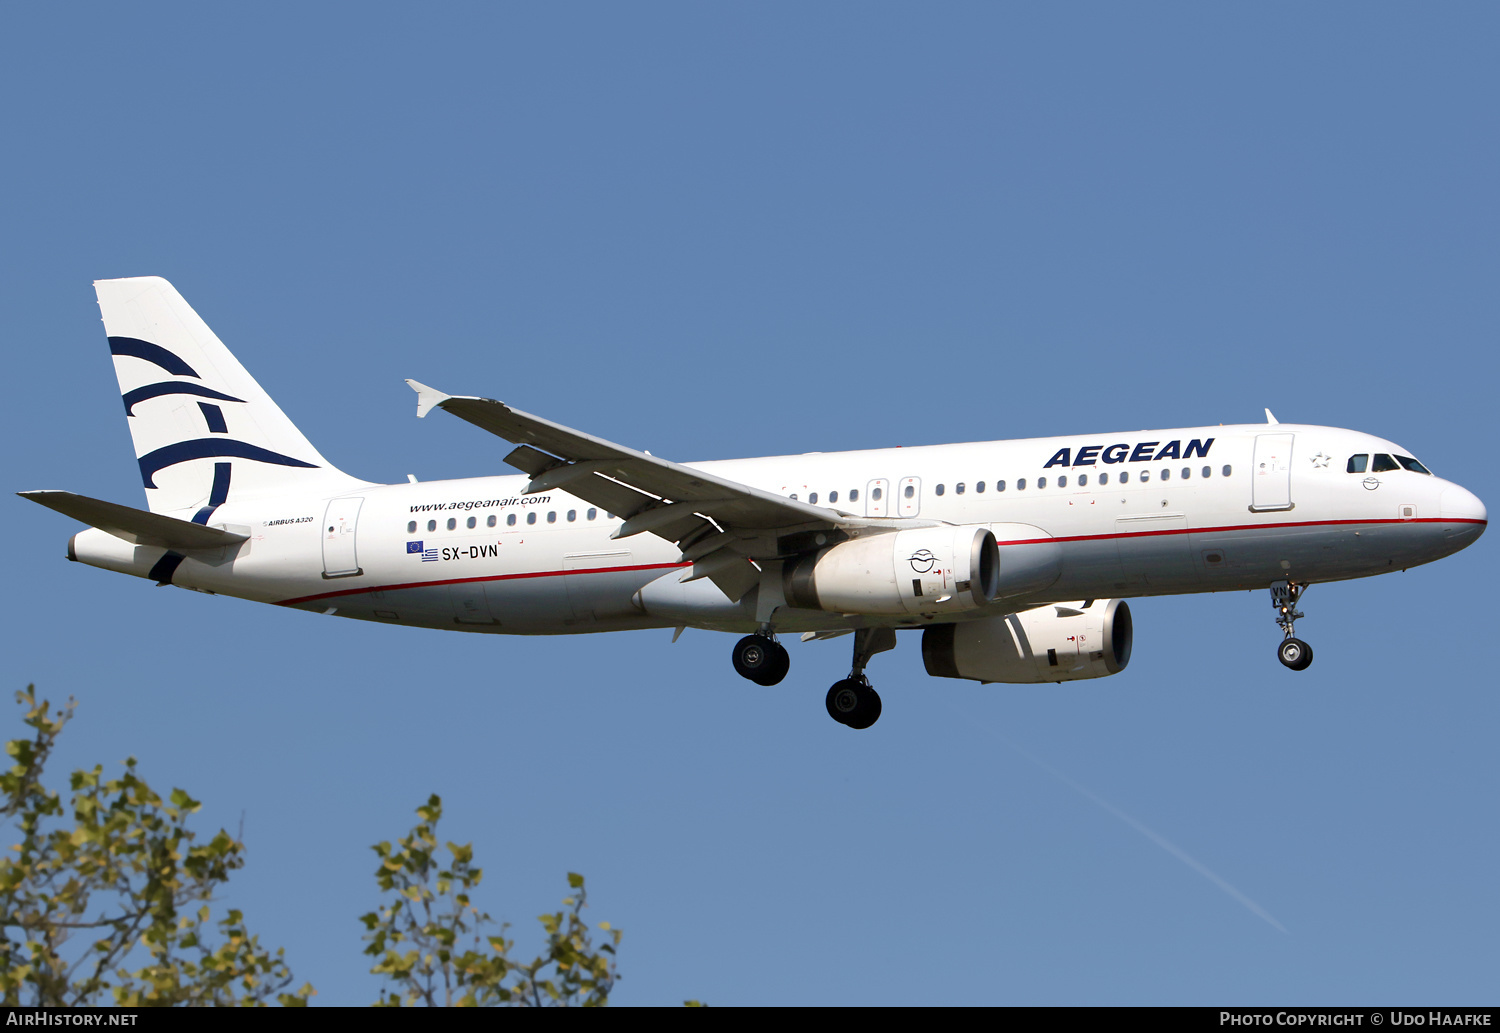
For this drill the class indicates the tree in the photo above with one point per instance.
(428, 944)
(80, 904)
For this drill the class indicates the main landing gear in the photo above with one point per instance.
(1293, 652)
(853, 701)
(761, 658)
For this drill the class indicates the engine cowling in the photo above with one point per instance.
(921, 570)
(1058, 643)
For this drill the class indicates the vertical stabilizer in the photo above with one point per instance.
(204, 430)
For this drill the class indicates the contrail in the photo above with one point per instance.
(1157, 838)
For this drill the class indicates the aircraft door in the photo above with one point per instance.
(909, 496)
(339, 558)
(878, 498)
(1271, 473)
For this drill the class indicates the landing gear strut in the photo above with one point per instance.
(1293, 652)
(853, 701)
(761, 658)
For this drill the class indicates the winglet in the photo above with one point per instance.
(1269, 417)
(428, 398)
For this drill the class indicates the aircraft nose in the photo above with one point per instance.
(1462, 504)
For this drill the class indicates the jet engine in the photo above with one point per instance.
(1058, 643)
(920, 570)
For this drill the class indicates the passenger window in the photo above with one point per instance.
(1227, 470)
(473, 522)
(592, 513)
(411, 528)
(510, 520)
(1187, 471)
(1062, 482)
(813, 498)
(1041, 482)
(1083, 480)
(1103, 479)
(1358, 464)
(958, 489)
(1384, 463)
(794, 496)
(833, 497)
(572, 515)
(552, 517)
(910, 491)
(1166, 475)
(432, 525)
(979, 487)
(1021, 484)
(875, 494)
(1412, 465)
(1145, 475)
(1124, 476)
(490, 521)
(531, 517)
(939, 489)
(1208, 471)
(452, 523)
(999, 485)
(854, 494)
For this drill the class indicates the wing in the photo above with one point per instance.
(720, 525)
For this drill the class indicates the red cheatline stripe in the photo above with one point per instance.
(1245, 527)
(470, 580)
(1020, 541)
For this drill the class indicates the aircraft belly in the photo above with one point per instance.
(1155, 551)
(1093, 566)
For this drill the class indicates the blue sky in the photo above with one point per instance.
(715, 231)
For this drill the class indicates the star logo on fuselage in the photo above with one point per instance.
(1321, 460)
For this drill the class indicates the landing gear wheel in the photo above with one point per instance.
(1294, 654)
(762, 660)
(852, 702)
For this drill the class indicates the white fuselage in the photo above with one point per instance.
(1143, 513)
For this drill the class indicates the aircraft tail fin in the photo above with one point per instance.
(203, 428)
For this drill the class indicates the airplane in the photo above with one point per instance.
(1012, 558)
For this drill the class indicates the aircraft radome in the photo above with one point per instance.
(1010, 557)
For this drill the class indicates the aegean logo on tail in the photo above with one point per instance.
(198, 448)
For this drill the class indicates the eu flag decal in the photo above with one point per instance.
(413, 547)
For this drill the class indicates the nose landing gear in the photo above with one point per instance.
(1293, 653)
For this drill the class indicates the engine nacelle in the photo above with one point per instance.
(921, 570)
(1058, 643)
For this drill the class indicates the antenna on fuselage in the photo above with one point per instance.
(1270, 418)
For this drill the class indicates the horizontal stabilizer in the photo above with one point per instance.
(135, 526)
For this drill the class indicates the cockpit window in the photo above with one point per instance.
(1357, 464)
(1412, 465)
(1384, 463)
